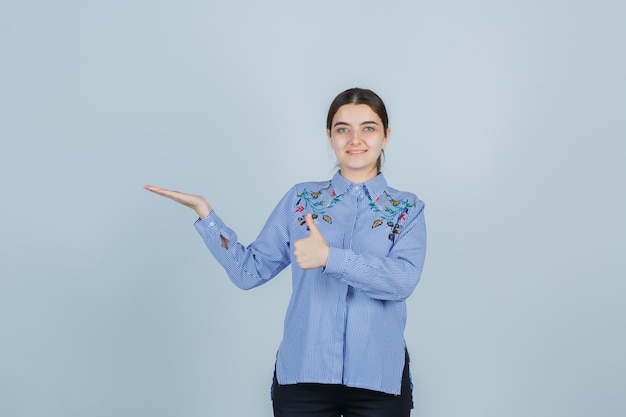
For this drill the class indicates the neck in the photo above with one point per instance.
(358, 177)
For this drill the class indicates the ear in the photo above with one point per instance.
(386, 138)
(328, 134)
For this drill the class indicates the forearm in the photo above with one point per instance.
(247, 267)
(379, 278)
(390, 277)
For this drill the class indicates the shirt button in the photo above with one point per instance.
(211, 223)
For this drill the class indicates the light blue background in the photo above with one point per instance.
(508, 120)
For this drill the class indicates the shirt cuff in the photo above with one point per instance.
(210, 226)
(336, 263)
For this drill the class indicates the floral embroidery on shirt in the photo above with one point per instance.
(317, 205)
(390, 209)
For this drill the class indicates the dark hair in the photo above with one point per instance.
(360, 96)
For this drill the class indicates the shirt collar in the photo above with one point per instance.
(374, 187)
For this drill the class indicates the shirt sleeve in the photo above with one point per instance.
(393, 277)
(251, 266)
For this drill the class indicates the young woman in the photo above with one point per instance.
(357, 247)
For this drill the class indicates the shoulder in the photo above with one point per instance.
(311, 186)
(404, 198)
(311, 189)
(305, 191)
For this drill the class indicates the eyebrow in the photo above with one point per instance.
(369, 122)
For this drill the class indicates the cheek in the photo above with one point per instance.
(337, 144)
(338, 152)
(376, 143)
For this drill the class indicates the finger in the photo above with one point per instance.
(311, 223)
(174, 195)
(160, 191)
(154, 189)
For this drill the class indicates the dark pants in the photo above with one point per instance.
(335, 400)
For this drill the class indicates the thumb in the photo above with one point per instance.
(311, 224)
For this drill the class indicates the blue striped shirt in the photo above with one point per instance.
(345, 322)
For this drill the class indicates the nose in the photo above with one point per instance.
(356, 137)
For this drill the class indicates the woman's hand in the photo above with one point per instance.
(311, 252)
(195, 202)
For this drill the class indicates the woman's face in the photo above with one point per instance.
(357, 137)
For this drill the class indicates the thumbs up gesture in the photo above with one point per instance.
(311, 252)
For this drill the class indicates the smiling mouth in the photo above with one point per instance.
(357, 152)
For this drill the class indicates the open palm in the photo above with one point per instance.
(195, 202)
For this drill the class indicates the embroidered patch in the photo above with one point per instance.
(317, 205)
(392, 212)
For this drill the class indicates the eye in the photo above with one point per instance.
(342, 130)
(369, 128)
